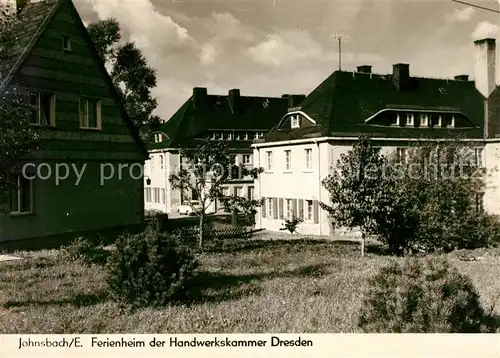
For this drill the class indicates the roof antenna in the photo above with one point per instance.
(339, 38)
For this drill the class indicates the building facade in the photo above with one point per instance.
(85, 135)
(234, 119)
(396, 110)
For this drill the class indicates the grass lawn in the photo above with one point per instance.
(271, 286)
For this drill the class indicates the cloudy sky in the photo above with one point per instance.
(271, 47)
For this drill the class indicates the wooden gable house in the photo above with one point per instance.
(82, 127)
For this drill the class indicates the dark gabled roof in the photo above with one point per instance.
(345, 100)
(33, 21)
(197, 117)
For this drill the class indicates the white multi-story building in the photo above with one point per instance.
(237, 120)
(393, 110)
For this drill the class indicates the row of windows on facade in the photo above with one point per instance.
(474, 157)
(152, 195)
(245, 159)
(286, 208)
(288, 160)
(425, 120)
(238, 192)
(43, 110)
(236, 135)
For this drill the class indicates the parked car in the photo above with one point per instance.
(189, 207)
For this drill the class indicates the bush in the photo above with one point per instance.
(151, 269)
(291, 224)
(157, 220)
(422, 297)
(85, 251)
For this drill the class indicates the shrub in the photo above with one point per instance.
(151, 269)
(157, 220)
(422, 297)
(291, 224)
(85, 251)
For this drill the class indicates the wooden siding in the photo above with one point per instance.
(71, 75)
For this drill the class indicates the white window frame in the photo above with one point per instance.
(410, 119)
(478, 156)
(245, 136)
(66, 43)
(269, 161)
(309, 214)
(439, 123)
(256, 135)
(270, 208)
(84, 117)
(397, 120)
(452, 124)
(239, 191)
(237, 136)
(247, 159)
(402, 154)
(19, 195)
(230, 136)
(288, 160)
(308, 158)
(424, 120)
(295, 121)
(41, 121)
(288, 208)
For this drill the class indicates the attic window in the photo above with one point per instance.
(424, 120)
(295, 121)
(214, 136)
(449, 121)
(256, 135)
(237, 136)
(394, 120)
(410, 119)
(436, 120)
(246, 136)
(66, 43)
(229, 136)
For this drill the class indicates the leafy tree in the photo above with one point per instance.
(354, 189)
(131, 74)
(421, 201)
(207, 167)
(17, 137)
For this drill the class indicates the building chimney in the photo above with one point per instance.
(364, 69)
(233, 96)
(484, 67)
(463, 78)
(295, 99)
(401, 75)
(199, 97)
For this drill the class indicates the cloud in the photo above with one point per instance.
(461, 15)
(208, 54)
(287, 48)
(485, 29)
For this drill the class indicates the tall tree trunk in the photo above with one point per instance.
(201, 231)
(362, 244)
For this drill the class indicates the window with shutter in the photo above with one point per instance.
(280, 211)
(316, 211)
(275, 207)
(301, 209)
(263, 207)
(294, 207)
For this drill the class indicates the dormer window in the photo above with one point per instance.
(295, 121)
(237, 136)
(410, 119)
(256, 135)
(436, 120)
(394, 120)
(229, 136)
(424, 120)
(245, 136)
